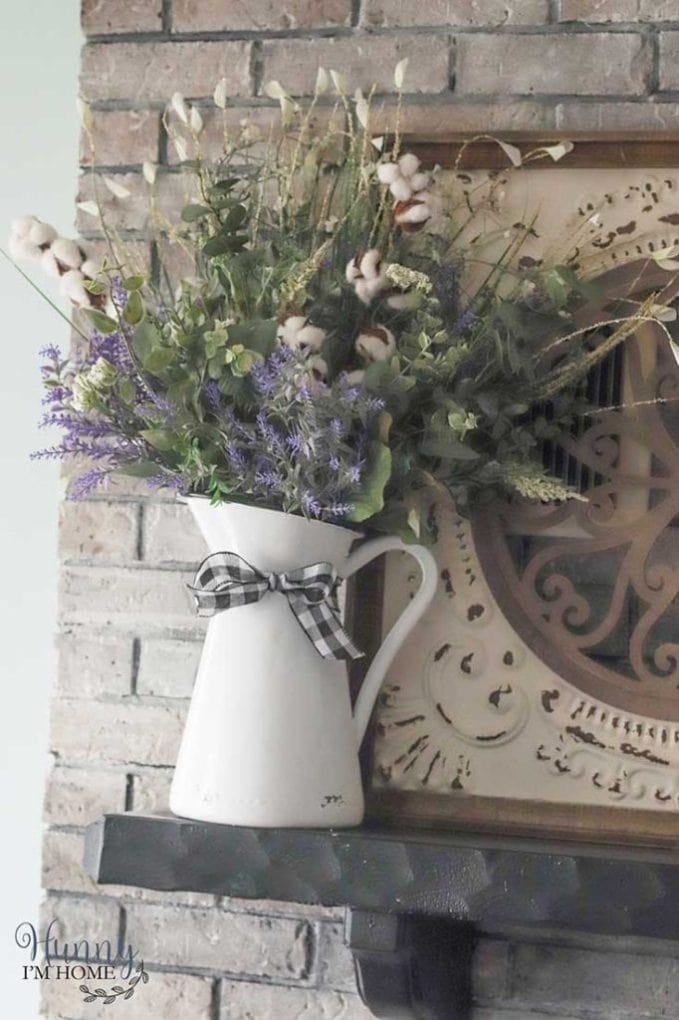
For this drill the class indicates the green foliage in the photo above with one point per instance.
(470, 381)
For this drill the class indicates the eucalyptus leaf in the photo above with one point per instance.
(134, 309)
(139, 469)
(159, 359)
(146, 337)
(378, 471)
(160, 439)
(193, 213)
(103, 323)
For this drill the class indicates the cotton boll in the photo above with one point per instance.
(311, 337)
(387, 173)
(370, 263)
(414, 211)
(401, 189)
(67, 252)
(41, 234)
(91, 268)
(72, 288)
(408, 164)
(21, 226)
(420, 181)
(365, 272)
(365, 291)
(353, 272)
(49, 264)
(21, 249)
(376, 343)
(318, 368)
(301, 335)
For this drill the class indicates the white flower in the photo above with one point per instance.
(376, 343)
(404, 178)
(72, 287)
(67, 253)
(180, 108)
(355, 378)
(300, 334)
(102, 374)
(365, 272)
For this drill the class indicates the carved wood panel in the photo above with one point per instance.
(547, 670)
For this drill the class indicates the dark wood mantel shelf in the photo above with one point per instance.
(415, 899)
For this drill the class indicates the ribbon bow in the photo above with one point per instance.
(225, 580)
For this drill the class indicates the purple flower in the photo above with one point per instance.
(334, 463)
(212, 395)
(311, 505)
(165, 480)
(87, 482)
(354, 473)
(118, 293)
(295, 442)
(464, 321)
(51, 352)
(339, 509)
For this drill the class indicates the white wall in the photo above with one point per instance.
(38, 149)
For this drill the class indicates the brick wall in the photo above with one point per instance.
(128, 642)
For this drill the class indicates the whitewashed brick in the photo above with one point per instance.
(93, 666)
(172, 191)
(669, 61)
(90, 531)
(364, 60)
(79, 796)
(165, 997)
(241, 1001)
(122, 137)
(151, 792)
(235, 943)
(258, 15)
(105, 595)
(412, 13)
(62, 868)
(154, 71)
(117, 732)
(598, 11)
(615, 115)
(89, 917)
(456, 114)
(168, 668)
(104, 16)
(171, 535)
(616, 64)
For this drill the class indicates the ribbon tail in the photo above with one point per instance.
(323, 627)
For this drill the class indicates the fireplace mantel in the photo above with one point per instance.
(415, 899)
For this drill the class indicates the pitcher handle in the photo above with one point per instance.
(405, 623)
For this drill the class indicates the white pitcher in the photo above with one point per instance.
(270, 739)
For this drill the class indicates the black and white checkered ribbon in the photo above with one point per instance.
(225, 580)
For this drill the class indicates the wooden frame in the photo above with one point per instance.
(401, 807)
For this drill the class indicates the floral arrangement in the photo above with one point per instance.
(324, 356)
